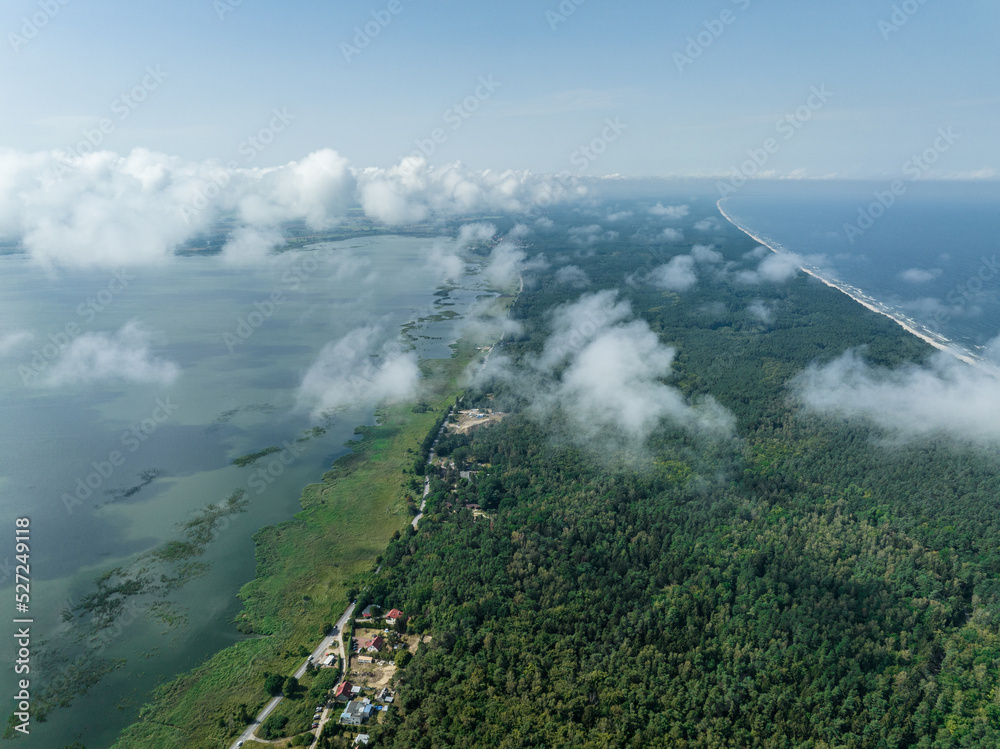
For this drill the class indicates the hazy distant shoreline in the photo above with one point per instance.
(939, 342)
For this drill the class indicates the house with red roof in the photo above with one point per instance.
(374, 644)
(393, 616)
(343, 692)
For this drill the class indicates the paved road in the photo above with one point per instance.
(427, 480)
(317, 654)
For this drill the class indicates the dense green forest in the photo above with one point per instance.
(804, 583)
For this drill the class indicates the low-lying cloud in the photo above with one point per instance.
(920, 275)
(944, 397)
(669, 211)
(9, 342)
(680, 272)
(572, 275)
(776, 267)
(107, 209)
(413, 191)
(125, 356)
(676, 275)
(604, 373)
(360, 368)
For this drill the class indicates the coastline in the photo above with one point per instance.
(940, 343)
(346, 519)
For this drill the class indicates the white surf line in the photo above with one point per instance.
(942, 344)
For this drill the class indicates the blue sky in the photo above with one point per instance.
(557, 86)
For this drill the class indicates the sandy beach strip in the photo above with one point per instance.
(941, 344)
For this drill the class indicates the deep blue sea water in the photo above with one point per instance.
(928, 252)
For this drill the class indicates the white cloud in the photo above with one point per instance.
(572, 275)
(360, 368)
(677, 275)
(109, 210)
(706, 253)
(919, 275)
(947, 396)
(669, 211)
(248, 244)
(707, 224)
(505, 262)
(447, 266)
(604, 373)
(619, 215)
(414, 191)
(762, 311)
(125, 356)
(520, 231)
(585, 235)
(672, 235)
(476, 233)
(777, 267)
(11, 341)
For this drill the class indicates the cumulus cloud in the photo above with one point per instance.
(476, 233)
(585, 235)
(761, 310)
(919, 275)
(669, 211)
(777, 267)
(9, 342)
(672, 235)
(414, 191)
(106, 209)
(677, 275)
(619, 215)
(945, 397)
(109, 210)
(520, 231)
(360, 368)
(706, 253)
(488, 328)
(446, 265)
(508, 261)
(248, 244)
(572, 275)
(125, 356)
(707, 224)
(603, 372)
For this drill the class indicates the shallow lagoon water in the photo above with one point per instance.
(241, 362)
